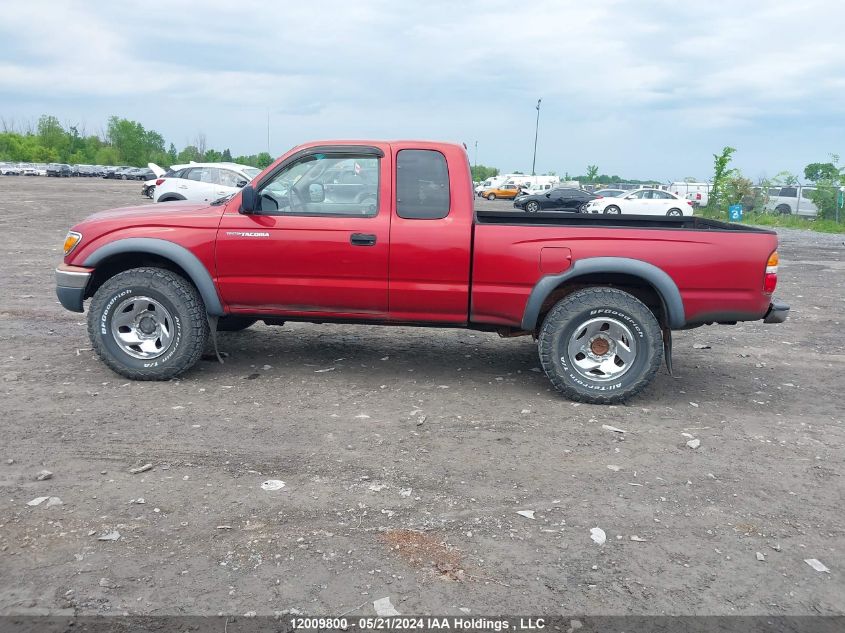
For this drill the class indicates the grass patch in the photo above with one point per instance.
(784, 221)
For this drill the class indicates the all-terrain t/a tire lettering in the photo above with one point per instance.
(148, 324)
(600, 345)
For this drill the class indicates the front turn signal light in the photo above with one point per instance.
(73, 238)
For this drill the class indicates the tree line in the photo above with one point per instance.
(123, 142)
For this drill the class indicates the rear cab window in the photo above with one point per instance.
(422, 185)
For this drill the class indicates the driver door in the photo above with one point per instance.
(633, 203)
(319, 243)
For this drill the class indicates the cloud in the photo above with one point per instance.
(638, 88)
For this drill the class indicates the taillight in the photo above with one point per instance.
(159, 181)
(597, 197)
(698, 196)
(770, 281)
(689, 202)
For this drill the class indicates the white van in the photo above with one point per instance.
(528, 182)
(696, 192)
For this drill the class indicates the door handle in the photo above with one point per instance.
(362, 239)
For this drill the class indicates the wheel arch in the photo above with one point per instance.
(647, 282)
(171, 197)
(134, 252)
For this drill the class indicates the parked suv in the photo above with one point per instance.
(203, 182)
(792, 200)
(59, 170)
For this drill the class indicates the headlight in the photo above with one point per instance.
(73, 238)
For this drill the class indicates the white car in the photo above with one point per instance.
(203, 182)
(642, 202)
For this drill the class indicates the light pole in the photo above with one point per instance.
(475, 164)
(536, 130)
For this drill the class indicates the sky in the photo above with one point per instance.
(640, 88)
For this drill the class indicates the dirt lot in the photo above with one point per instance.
(406, 455)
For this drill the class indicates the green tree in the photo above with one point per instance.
(190, 153)
(720, 175)
(52, 136)
(821, 171)
(227, 156)
(212, 156)
(785, 178)
(829, 179)
(737, 189)
(263, 160)
(592, 172)
(483, 172)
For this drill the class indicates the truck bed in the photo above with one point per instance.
(689, 223)
(717, 268)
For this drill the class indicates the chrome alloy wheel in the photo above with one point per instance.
(142, 327)
(601, 349)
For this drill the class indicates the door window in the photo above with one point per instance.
(210, 175)
(324, 184)
(229, 178)
(422, 185)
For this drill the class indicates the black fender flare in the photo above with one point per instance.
(651, 274)
(172, 197)
(169, 250)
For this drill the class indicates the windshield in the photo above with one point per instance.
(610, 193)
(251, 172)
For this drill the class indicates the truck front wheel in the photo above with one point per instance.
(148, 324)
(600, 345)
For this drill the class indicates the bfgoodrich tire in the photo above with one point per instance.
(148, 324)
(600, 345)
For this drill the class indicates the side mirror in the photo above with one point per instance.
(241, 184)
(316, 192)
(248, 200)
(549, 195)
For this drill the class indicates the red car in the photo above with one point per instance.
(385, 233)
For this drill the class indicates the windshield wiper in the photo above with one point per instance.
(220, 201)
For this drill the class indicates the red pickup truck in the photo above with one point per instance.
(386, 233)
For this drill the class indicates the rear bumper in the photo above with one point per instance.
(71, 282)
(778, 311)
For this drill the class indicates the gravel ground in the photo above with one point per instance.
(407, 455)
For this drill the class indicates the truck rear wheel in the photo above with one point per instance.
(600, 345)
(148, 324)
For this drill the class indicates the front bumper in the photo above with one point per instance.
(778, 311)
(71, 282)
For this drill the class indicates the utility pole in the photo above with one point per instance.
(475, 164)
(536, 131)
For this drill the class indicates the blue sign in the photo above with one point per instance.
(735, 213)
